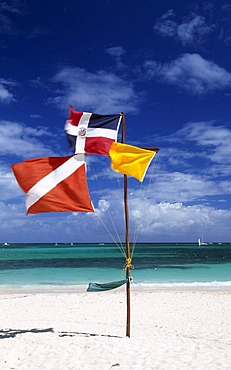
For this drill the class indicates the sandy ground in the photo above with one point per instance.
(170, 329)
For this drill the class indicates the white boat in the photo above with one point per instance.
(201, 242)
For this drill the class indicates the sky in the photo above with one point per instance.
(166, 65)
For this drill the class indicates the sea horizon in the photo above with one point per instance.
(113, 243)
(69, 266)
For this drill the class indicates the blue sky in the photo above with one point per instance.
(166, 65)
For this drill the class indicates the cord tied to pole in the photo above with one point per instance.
(128, 264)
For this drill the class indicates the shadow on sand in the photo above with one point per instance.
(76, 333)
(11, 333)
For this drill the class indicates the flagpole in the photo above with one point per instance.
(127, 239)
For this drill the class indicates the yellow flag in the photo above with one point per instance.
(130, 160)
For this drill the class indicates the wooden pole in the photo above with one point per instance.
(128, 325)
(128, 255)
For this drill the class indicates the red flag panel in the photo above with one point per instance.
(54, 184)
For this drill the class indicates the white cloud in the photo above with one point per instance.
(5, 95)
(216, 139)
(192, 31)
(152, 221)
(8, 185)
(194, 165)
(165, 25)
(22, 141)
(177, 205)
(180, 222)
(188, 187)
(172, 221)
(116, 51)
(184, 187)
(10, 218)
(192, 73)
(101, 92)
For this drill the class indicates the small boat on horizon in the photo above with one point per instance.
(201, 242)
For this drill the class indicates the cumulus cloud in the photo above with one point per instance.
(186, 187)
(10, 218)
(9, 187)
(190, 72)
(194, 165)
(151, 221)
(117, 52)
(192, 30)
(215, 139)
(23, 141)
(99, 92)
(5, 95)
(165, 25)
(178, 202)
(182, 222)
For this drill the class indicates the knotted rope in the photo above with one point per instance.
(128, 264)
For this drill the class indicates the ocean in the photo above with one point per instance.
(70, 266)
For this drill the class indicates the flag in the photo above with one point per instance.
(130, 160)
(100, 287)
(54, 184)
(91, 133)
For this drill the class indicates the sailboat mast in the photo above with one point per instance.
(127, 239)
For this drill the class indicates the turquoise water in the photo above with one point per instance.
(26, 265)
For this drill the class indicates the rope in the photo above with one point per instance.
(128, 264)
(137, 225)
(120, 244)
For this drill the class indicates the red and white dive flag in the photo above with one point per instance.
(91, 133)
(54, 184)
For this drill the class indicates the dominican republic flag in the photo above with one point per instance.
(91, 133)
(54, 184)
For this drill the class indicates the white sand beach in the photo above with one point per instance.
(170, 329)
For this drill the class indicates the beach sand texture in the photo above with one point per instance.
(170, 329)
